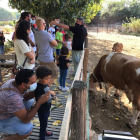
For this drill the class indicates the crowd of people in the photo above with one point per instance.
(52, 47)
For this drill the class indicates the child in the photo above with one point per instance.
(2, 40)
(44, 74)
(63, 63)
(69, 44)
(59, 39)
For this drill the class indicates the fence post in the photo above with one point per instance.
(79, 106)
(85, 64)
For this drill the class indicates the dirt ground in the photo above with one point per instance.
(115, 114)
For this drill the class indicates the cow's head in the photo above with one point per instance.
(93, 83)
(117, 47)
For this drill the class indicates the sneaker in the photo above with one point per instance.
(65, 88)
(49, 134)
(60, 87)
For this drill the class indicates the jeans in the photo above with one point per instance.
(62, 79)
(1, 49)
(43, 118)
(76, 55)
(14, 125)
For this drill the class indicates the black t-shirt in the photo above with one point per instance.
(1, 40)
(80, 33)
(63, 62)
(40, 90)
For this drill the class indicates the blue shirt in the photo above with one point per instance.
(43, 40)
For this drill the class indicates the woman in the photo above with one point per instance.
(24, 52)
(45, 42)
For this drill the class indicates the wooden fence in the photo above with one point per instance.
(80, 75)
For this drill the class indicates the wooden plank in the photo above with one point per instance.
(66, 119)
(8, 57)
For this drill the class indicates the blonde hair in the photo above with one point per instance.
(39, 22)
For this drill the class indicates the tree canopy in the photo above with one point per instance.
(67, 10)
(7, 16)
(120, 11)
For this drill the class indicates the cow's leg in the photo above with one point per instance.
(107, 87)
(134, 117)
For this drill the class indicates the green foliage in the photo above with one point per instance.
(134, 24)
(120, 10)
(3, 23)
(7, 29)
(66, 10)
(6, 15)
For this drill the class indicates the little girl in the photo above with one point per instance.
(2, 40)
(63, 63)
(69, 44)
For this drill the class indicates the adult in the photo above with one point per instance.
(15, 103)
(79, 36)
(33, 27)
(56, 27)
(45, 42)
(27, 16)
(24, 52)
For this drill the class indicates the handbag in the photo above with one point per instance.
(16, 69)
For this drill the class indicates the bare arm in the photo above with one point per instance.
(25, 116)
(31, 42)
(61, 41)
(54, 43)
(68, 64)
(30, 55)
(29, 95)
(60, 25)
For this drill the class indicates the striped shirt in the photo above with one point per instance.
(10, 101)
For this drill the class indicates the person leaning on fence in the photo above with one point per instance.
(24, 52)
(45, 42)
(44, 75)
(16, 98)
(80, 33)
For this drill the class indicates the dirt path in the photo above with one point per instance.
(115, 114)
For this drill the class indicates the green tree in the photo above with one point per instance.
(67, 10)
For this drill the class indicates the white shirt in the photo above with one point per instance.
(52, 30)
(69, 45)
(31, 35)
(21, 48)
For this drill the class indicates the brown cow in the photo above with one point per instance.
(117, 47)
(123, 72)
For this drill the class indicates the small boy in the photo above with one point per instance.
(59, 39)
(43, 75)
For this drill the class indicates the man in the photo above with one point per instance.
(80, 33)
(15, 102)
(27, 16)
(56, 27)
(45, 42)
(33, 27)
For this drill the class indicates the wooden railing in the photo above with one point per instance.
(81, 74)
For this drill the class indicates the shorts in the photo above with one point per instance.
(58, 51)
(52, 66)
(14, 125)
